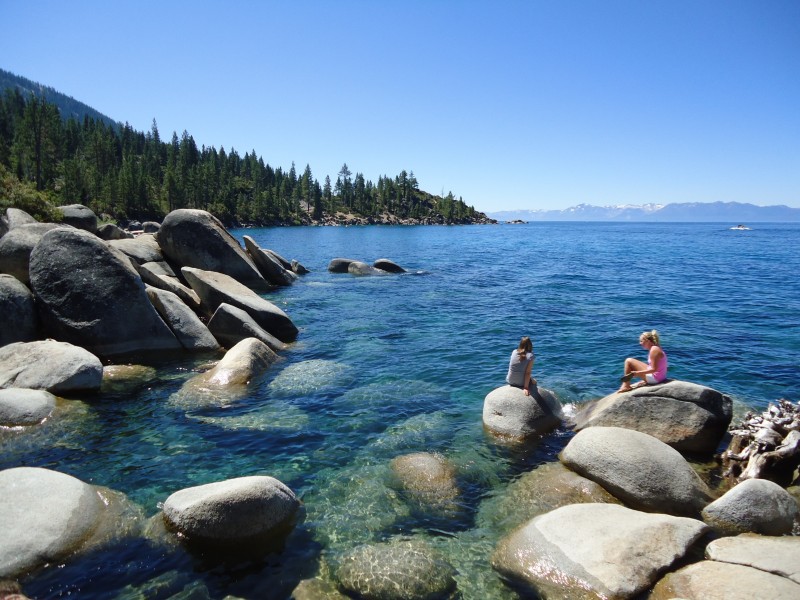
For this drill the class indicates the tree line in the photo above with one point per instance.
(127, 174)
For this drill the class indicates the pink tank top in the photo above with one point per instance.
(661, 366)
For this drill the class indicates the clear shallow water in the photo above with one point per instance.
(389, 365)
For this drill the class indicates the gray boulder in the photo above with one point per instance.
(547, 487)
(508, 412)
(640, 470)
(361, 268)
(16, 217)
(110, 231)
(428, 478)
(594, 550)
(225, 382)
(142, 249)
(157, 275)
(230, 325)
(80, 217)
(754, 505)
(711, 580)
(16, 247)
(272, 270)
(195, 238)
(151, 226)
(46, 516)
(18, 318)
(402, 570)
(217, 288)
(298, 268)
(339, 265)
(87, 295)
(687, 416)
(187, 327)
(384, 264)
(25, 407)
(778, 555)
(285, 263)
(58, 367)
(236, 511)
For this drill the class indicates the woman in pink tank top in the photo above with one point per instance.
(654, 371)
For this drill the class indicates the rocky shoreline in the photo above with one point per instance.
(622, 514)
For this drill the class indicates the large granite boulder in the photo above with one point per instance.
(230, 325)
(594, 551)
(19, 321)
(778, 555)
(236, 511)
(215, 288)
(640, 470)
(151, 226)
(142, 249)
(361, 268)
(228, 379)
(46, 516)
(110, 231)
(15, 217)
(16, 247)
(160, 275)
(272, 270)
(187, 327)
(402, 570)
(547, 487)
(339, 265)
(20, 406)
(428, 478)
(80, 217)
(508, 412)
(87, 295)
(712, 580)
(58, 367)
(195, 238)
(687, 416)
(754, 505)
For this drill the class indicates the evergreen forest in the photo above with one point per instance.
(123, 174)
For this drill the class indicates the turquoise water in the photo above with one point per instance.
(394, 364)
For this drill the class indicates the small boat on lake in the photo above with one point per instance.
(740, 228)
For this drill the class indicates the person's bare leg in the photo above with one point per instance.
(631, 364)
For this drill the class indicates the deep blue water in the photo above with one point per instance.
(394, 364)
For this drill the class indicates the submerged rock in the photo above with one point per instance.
(25, 407)
(594, 550)
(687, 416)
(310, 376)
(755, 505)
(428, 478)
(58, 367)
(403, 570)
(507, 411)
(235, 511)
(638, 469)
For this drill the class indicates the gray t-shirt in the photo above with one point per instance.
(516, 369)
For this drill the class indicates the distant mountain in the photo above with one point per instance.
(692, 212)
(67, 105)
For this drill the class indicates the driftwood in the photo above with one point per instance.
(765, 446)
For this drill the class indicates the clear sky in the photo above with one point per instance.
(510, 105)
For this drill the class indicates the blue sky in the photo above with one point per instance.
(510, 105)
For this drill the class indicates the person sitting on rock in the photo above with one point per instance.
(655, 371)
(521, 365)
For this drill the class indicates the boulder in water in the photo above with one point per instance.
(230, 325)
(754, 505)
(58, 367)
(361, 268)
(384, 264)
(339, 265)
(428, 478)
(508, 412)
(25, 407)
(272, 270)
(187, 327)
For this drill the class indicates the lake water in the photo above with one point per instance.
(389, 365)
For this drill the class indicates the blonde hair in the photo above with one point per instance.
(652, 336)
(525, 346)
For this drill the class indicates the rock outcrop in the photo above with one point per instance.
(637, 468)
(87, 295)
(232, 512)
(507, 411)
(594, 550)
(58, 367)
(271, 268)
(185, 325)
(688, 417)
(195, 238)
(141, 250)
(230, 325)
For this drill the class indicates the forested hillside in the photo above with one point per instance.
(127, 174)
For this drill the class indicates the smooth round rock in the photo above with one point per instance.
(20, 406)
(58, 367)
(754, 505)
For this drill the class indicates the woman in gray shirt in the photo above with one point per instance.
(521, 365)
